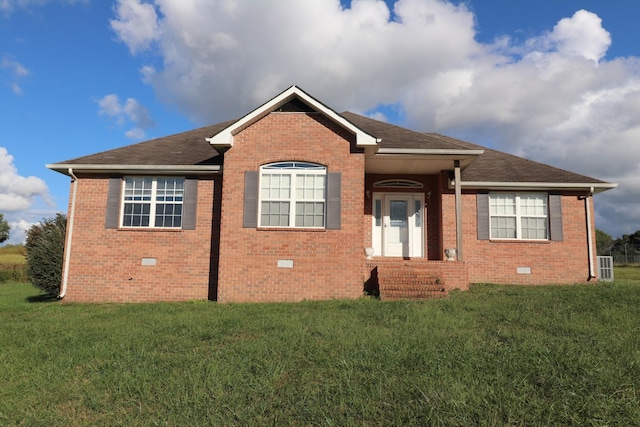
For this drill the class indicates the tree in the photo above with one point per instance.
(4, 229)
(45, 250)
(604, 243)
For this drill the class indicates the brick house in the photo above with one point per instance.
(294, 201)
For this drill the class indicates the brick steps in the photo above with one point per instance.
(413, 283)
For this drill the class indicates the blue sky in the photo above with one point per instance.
(554, 81)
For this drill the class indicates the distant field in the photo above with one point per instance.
(12, 254)
(627, 273)
(12, 259)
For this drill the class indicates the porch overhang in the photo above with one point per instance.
(419, 161)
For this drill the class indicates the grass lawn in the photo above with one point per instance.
(496, 355)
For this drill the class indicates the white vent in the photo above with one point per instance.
(605, 268)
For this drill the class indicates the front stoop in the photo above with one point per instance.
(406, 284)
(396, 279)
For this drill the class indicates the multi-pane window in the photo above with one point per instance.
(292, 194)
(519, 216)
(152, 202)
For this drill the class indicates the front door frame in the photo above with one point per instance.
(381, 224)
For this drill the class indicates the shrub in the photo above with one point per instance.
(45, 250)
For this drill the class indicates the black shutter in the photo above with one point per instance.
(112, 217)
(482, 207)
(250, 211)
(334, 202)
(189, 204)
(555, 218)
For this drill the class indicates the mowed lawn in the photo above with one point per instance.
(496, 355)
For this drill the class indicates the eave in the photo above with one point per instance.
(224, 138)
(589, 187)
(68, 168)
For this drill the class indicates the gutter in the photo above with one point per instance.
(95, 168)
(570, 186)
(67, 255)
(587, 208)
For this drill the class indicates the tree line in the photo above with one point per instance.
(624, 249)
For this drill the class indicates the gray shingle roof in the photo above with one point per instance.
(492, 166)
(190, 148)
(186, 148)
(497, 166)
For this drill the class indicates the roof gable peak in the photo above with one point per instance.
(293, 96)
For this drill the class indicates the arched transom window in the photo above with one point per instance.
(398, 183)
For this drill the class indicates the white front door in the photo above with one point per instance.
(398, 224)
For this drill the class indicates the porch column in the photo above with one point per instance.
(458, 190)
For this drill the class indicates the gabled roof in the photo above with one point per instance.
(224, 137)
(195, 151)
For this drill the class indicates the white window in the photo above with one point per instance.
(292, 194)
(152, 202)
(519, 216)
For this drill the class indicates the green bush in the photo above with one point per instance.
(45, 249)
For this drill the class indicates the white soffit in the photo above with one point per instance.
(417, 161)
(225, 137)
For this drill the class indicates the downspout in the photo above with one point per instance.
(587, 207)
(67, 254)
(458, 201)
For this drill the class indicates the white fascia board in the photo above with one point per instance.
(225, 137)
(143, 169)
(430, 151)
(488, 185)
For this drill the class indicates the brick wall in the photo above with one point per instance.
(106, 264)
(326, 263)
(498, 261)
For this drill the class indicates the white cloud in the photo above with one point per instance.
(18, 194)
(110, 105)
(129, 112)
(12, 73)
(555, 98)
(18, 231)
(136, 24)
(582, 35)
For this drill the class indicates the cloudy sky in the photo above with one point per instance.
(553, 81)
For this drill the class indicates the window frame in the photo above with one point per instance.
(519, 215)
(153, 202)
(292, 169)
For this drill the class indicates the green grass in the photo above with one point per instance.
(496, 355)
